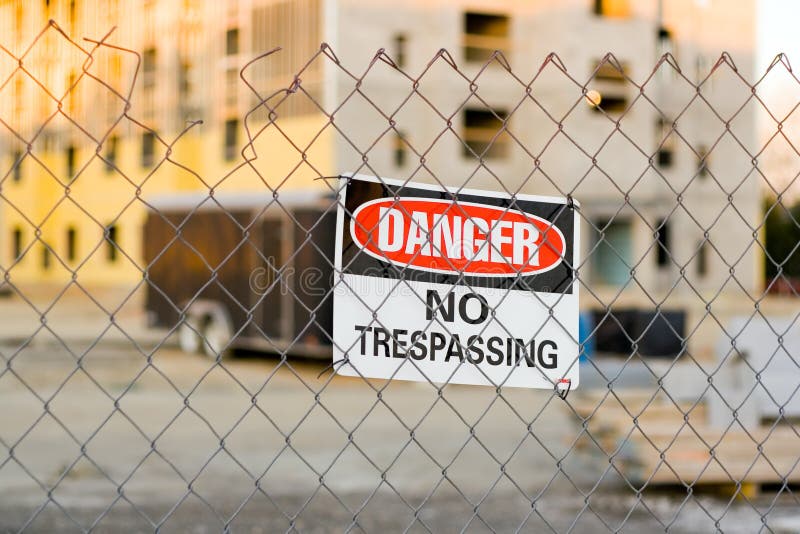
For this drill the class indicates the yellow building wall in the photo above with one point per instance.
(97, 197)
(43, 206)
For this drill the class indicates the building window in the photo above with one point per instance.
(663, 239)
(45, 257)
(484, 135)
(610, 94)
(609, 104)
(71, 242)
(702, 161)
(702, 259)
(149, 67)
(483, 34)
(666, 45)
(606, 71)
(400, 50)
(112, 240)
(665, 42)
(17, 176)
(71, 93)
(232, 42)
(400, 149)
(231, 134)
(70, 155)
(112, 144)
(612, 256)
(666, 141)
(611, 8)
(184, 79)
(148, 148)
(16, 239)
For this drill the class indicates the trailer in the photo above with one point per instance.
(242, 270)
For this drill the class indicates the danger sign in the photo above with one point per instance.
(442, 236)
(459, 286)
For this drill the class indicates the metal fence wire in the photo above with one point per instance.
(131, 250)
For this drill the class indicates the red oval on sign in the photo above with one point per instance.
(450, 237)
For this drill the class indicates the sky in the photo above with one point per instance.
(778, 22)
(778, 25)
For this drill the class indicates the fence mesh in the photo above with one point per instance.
(125, 251)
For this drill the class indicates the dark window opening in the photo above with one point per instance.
(483, 133)
(400, 50)
(611, 104)
(149, 61)
(148, 148)
(400, 151)
(71, 92)
(111, 153)
(16, 238)
(666, 143)
(112, 242)
(232, 42)
(71, 242)
(702, 259)
(231, 133)
(702, 162)
(483, 34)
(184, 80)
(45, 258)
(611, 94)
(17, 176)
(662, 249)
(657, 333)
(664, 158)
(665, 44)
(606, 71)
(70, 162)
(149, 67)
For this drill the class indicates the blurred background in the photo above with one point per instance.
(163, 378)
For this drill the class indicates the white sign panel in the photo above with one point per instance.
(458, 286)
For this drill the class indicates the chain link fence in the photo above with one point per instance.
(167, 346)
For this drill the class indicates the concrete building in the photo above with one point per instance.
(664, 172)
(665, 175)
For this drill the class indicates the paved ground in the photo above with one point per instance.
(121, 443)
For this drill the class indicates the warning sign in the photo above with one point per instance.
(459, 286)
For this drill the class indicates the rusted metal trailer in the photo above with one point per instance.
(242, 270)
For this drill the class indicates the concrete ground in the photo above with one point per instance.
(112, 438)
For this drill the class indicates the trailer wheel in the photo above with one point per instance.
(189, 335)
(216, 335)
